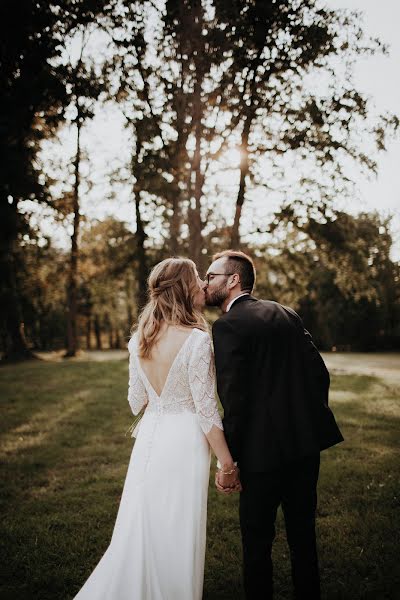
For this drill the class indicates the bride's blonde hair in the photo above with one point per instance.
(172, 286)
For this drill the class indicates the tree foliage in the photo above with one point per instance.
(35, 93)
(194, 80)
(340, 276)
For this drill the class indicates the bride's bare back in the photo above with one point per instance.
(163, 354)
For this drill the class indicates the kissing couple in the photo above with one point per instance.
(273, 386)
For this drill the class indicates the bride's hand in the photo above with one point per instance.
(228, 483)
(228, 490)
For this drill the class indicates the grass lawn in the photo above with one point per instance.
(64, 457)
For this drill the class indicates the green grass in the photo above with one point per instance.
(64, 457)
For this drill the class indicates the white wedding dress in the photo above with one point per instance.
(158, 545)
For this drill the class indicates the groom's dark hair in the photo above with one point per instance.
(242, 264)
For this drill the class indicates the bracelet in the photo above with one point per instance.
(229, 472)
(219, 466)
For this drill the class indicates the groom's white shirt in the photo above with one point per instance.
(228, 308)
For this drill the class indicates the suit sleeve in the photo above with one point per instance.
(315, 364)
(230, 362)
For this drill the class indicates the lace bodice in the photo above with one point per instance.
(190, 384)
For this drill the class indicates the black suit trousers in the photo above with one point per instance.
(293, 486)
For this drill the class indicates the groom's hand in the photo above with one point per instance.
(228, 482)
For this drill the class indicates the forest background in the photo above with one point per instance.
(242, 127)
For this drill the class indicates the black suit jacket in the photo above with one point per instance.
(273, 385)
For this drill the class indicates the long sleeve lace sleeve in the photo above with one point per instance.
(202, 384)
(137, 394)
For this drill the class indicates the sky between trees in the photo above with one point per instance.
(106, 139)
(144, 129)
(379, 76)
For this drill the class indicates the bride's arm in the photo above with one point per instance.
(216, 439)
(227, 477)
(137, 394)
(202, 383)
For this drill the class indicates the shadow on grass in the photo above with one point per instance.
(62, 484)
(62, 475)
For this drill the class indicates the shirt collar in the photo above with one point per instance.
(232, 301)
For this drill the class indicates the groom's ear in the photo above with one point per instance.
(235, 279)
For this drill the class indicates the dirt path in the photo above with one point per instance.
(384, 364)
(91, 355)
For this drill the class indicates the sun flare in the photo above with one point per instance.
(232, 157)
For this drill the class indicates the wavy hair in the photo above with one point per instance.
(172, 286)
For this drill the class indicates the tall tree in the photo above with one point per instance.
(169, 80)
(275, 48)
(129, 72)
(216, 73)
(32, 103)
(31, 92)
(85, 87)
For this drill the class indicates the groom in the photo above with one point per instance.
(273, 386)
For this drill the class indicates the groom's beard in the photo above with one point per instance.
(216, 297)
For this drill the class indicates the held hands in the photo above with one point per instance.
(227, 480)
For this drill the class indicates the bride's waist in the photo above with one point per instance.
(159, 408)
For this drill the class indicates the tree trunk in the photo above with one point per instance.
(108, 326)
(129, 295)
(117, 339)
(72, 289)
(97, 332)
(89, 333)
(179, 157)
(244, 148)
(39, 333)
(142, 268)
(140, 235)
(244, 171)
(15, 344)
(195, 222)
(175, 224)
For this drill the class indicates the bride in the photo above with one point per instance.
(158, 544)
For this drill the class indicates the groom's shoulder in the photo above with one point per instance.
(252, 308)
(238, 315)
(254, 313)
(279, 314)
(274, 308)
